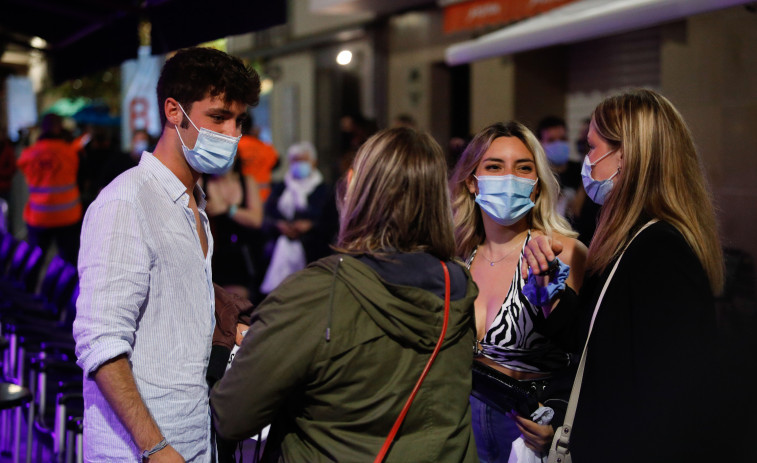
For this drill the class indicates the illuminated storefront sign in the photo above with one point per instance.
(480, 13)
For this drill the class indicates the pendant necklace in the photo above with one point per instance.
(492, 262)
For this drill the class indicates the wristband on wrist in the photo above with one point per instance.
(233, 210)
(158, 447)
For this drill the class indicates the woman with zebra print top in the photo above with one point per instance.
(503, 195)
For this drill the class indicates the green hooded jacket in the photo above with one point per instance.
(332, 356)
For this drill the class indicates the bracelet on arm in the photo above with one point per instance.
(233, 210)
(543, 295)
(158, 447)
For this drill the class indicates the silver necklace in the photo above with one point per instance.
(492, 262)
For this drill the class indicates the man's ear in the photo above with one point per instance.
(173, 112)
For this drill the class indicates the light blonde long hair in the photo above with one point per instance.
(397, 198)
(469, 226)
(661, 177)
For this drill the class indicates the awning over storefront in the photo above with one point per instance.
(582, 20)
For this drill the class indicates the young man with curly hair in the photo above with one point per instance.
(145, 314)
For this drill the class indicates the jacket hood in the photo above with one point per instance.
(411, 315)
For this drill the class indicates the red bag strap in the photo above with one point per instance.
(390, 438)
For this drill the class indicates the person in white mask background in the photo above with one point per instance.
(300, 217)
(503, 195)
(653, 346)
(553, 136)
(145, 315)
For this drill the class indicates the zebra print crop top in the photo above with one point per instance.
(511, 340)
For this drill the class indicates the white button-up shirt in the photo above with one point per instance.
(147, 292)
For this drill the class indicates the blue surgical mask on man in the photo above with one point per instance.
(557, 152)
(505, 198)
(213, 152)
(597, 190)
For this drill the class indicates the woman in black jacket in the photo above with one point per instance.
(650, 358)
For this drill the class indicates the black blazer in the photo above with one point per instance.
(648, 392)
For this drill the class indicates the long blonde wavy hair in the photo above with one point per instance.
(661, 177)
(469, 227)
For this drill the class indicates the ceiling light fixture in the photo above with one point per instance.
(344, 57)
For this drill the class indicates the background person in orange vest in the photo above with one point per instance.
(258, 158)
(54, 211)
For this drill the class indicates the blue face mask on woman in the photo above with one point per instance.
(300, 169)
(505, 198)
(213, 152)
(597, 190)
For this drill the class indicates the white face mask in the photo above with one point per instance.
(213, 152)
(597, 190)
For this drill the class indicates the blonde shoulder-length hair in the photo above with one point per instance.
(469, 227)
(396, 198)
(661, 177)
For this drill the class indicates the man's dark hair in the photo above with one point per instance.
(193, 73)
(549, 122)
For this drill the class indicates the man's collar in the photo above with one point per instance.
(169, 181)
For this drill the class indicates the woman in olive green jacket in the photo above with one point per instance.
(333, 354)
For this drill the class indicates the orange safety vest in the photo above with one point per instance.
(258, 160)
(50, 168)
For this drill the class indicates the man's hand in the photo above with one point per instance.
(166, 455)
